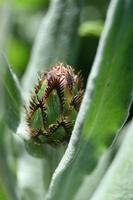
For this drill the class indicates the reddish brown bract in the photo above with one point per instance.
(54, 105)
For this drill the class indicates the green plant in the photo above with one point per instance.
(92, 159)
(52, 110)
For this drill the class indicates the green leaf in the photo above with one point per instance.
(11, 95)
(118, 180)
(91, 28)
(7, 182)
(105, 105)
(34, 174)
(93, 180)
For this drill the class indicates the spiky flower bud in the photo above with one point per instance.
(54, 104)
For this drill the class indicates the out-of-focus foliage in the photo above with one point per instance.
(20, 23)
(11, 95)
(25, 17)
(3, 194)
(18, 54)
(91, 28)
(30, 4)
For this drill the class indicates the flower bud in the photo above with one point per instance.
(54, 105)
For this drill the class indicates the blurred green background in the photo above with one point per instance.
(23, 18)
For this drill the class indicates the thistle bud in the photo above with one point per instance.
(54, 105)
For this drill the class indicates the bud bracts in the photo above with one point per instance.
(54, 104)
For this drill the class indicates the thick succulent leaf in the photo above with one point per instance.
(7, 183)
(57, 39)
(30, 177)
(105, 105)
(118, 181)
(10, 94)
(34, 174)
(93, 180)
